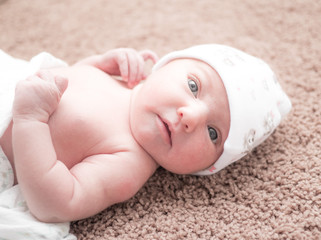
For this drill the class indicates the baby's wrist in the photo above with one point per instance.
(29, 118)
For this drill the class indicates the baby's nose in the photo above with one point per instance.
(191, 116)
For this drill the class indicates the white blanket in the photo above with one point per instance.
(16, 222)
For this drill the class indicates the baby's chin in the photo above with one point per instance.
(182, 170)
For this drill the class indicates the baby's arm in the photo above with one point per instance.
(124, 62)
(53, 192)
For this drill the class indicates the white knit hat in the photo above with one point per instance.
(256, 99)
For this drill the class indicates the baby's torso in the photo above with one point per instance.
(92, 117)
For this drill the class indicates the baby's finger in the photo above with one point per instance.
(140, 69)
(139, 72)
(149, 55)
(122, 61)
(45, 75)
(132, 67)
(61, 83)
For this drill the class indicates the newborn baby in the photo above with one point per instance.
(80, 141)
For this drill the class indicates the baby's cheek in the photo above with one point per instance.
(209, 156)
(200, 156)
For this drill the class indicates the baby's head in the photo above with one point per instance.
(256, 101)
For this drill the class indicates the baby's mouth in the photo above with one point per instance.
(165, 129)
(168, 131)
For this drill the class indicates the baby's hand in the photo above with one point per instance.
(37, 97)
(127, 63)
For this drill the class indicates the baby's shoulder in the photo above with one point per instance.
(137, 158)
(129, 170)
(129, 156)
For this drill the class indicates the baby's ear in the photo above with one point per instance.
(61, 83)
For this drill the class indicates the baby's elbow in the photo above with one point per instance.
(47, 218)
(51, 215)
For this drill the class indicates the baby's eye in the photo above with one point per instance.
(193, 86)
(213, 134)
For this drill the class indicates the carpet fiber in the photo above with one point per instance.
(275, 193)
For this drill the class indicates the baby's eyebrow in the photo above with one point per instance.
(203, 74)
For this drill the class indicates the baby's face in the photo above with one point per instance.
(181, 116)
